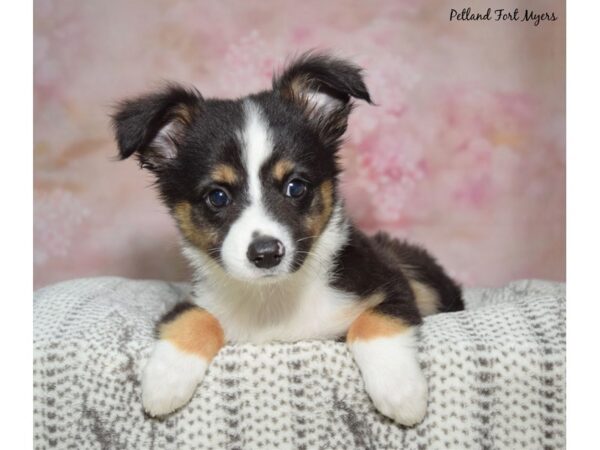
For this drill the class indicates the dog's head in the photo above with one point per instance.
(252, 183)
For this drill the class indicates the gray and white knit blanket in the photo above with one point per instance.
(496, 376)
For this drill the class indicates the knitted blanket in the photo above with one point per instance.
(496, 375)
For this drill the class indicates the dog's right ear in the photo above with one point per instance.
(152, 126)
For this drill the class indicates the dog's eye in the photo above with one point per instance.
(218, 198)
(295, 188)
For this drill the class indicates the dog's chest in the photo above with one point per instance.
(313, 310)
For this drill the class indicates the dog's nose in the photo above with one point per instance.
(265, 252)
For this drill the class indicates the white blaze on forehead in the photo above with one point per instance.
(257, 147)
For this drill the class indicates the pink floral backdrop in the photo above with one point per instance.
(465, 152)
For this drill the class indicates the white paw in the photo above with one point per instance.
(399, 396)
(393, 379)
(170, 379)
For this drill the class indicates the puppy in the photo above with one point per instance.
(252, 185)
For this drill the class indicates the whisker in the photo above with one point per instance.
(307, 237)
(317, 258)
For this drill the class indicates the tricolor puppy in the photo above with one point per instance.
(253, 186)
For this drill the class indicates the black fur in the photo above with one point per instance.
(369, 265)
(324, 73)
(320, 73)
(362, 268)
(426, 269)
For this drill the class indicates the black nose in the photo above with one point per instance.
(266, 252)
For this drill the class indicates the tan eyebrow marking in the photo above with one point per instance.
(224, 173)
(282, 168)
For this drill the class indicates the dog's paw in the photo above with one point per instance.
(401, 396)
(393, 379)
(170, 379)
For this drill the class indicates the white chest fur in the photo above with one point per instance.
(295, 311)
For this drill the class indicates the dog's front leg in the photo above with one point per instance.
(189, 338)
(384, 348)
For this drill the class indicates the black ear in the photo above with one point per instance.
(152, 125)
(323, 87)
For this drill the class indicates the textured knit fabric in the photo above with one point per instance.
(496, 376)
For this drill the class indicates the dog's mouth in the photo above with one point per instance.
(253, 275)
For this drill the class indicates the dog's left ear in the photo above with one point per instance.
(323, 86)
